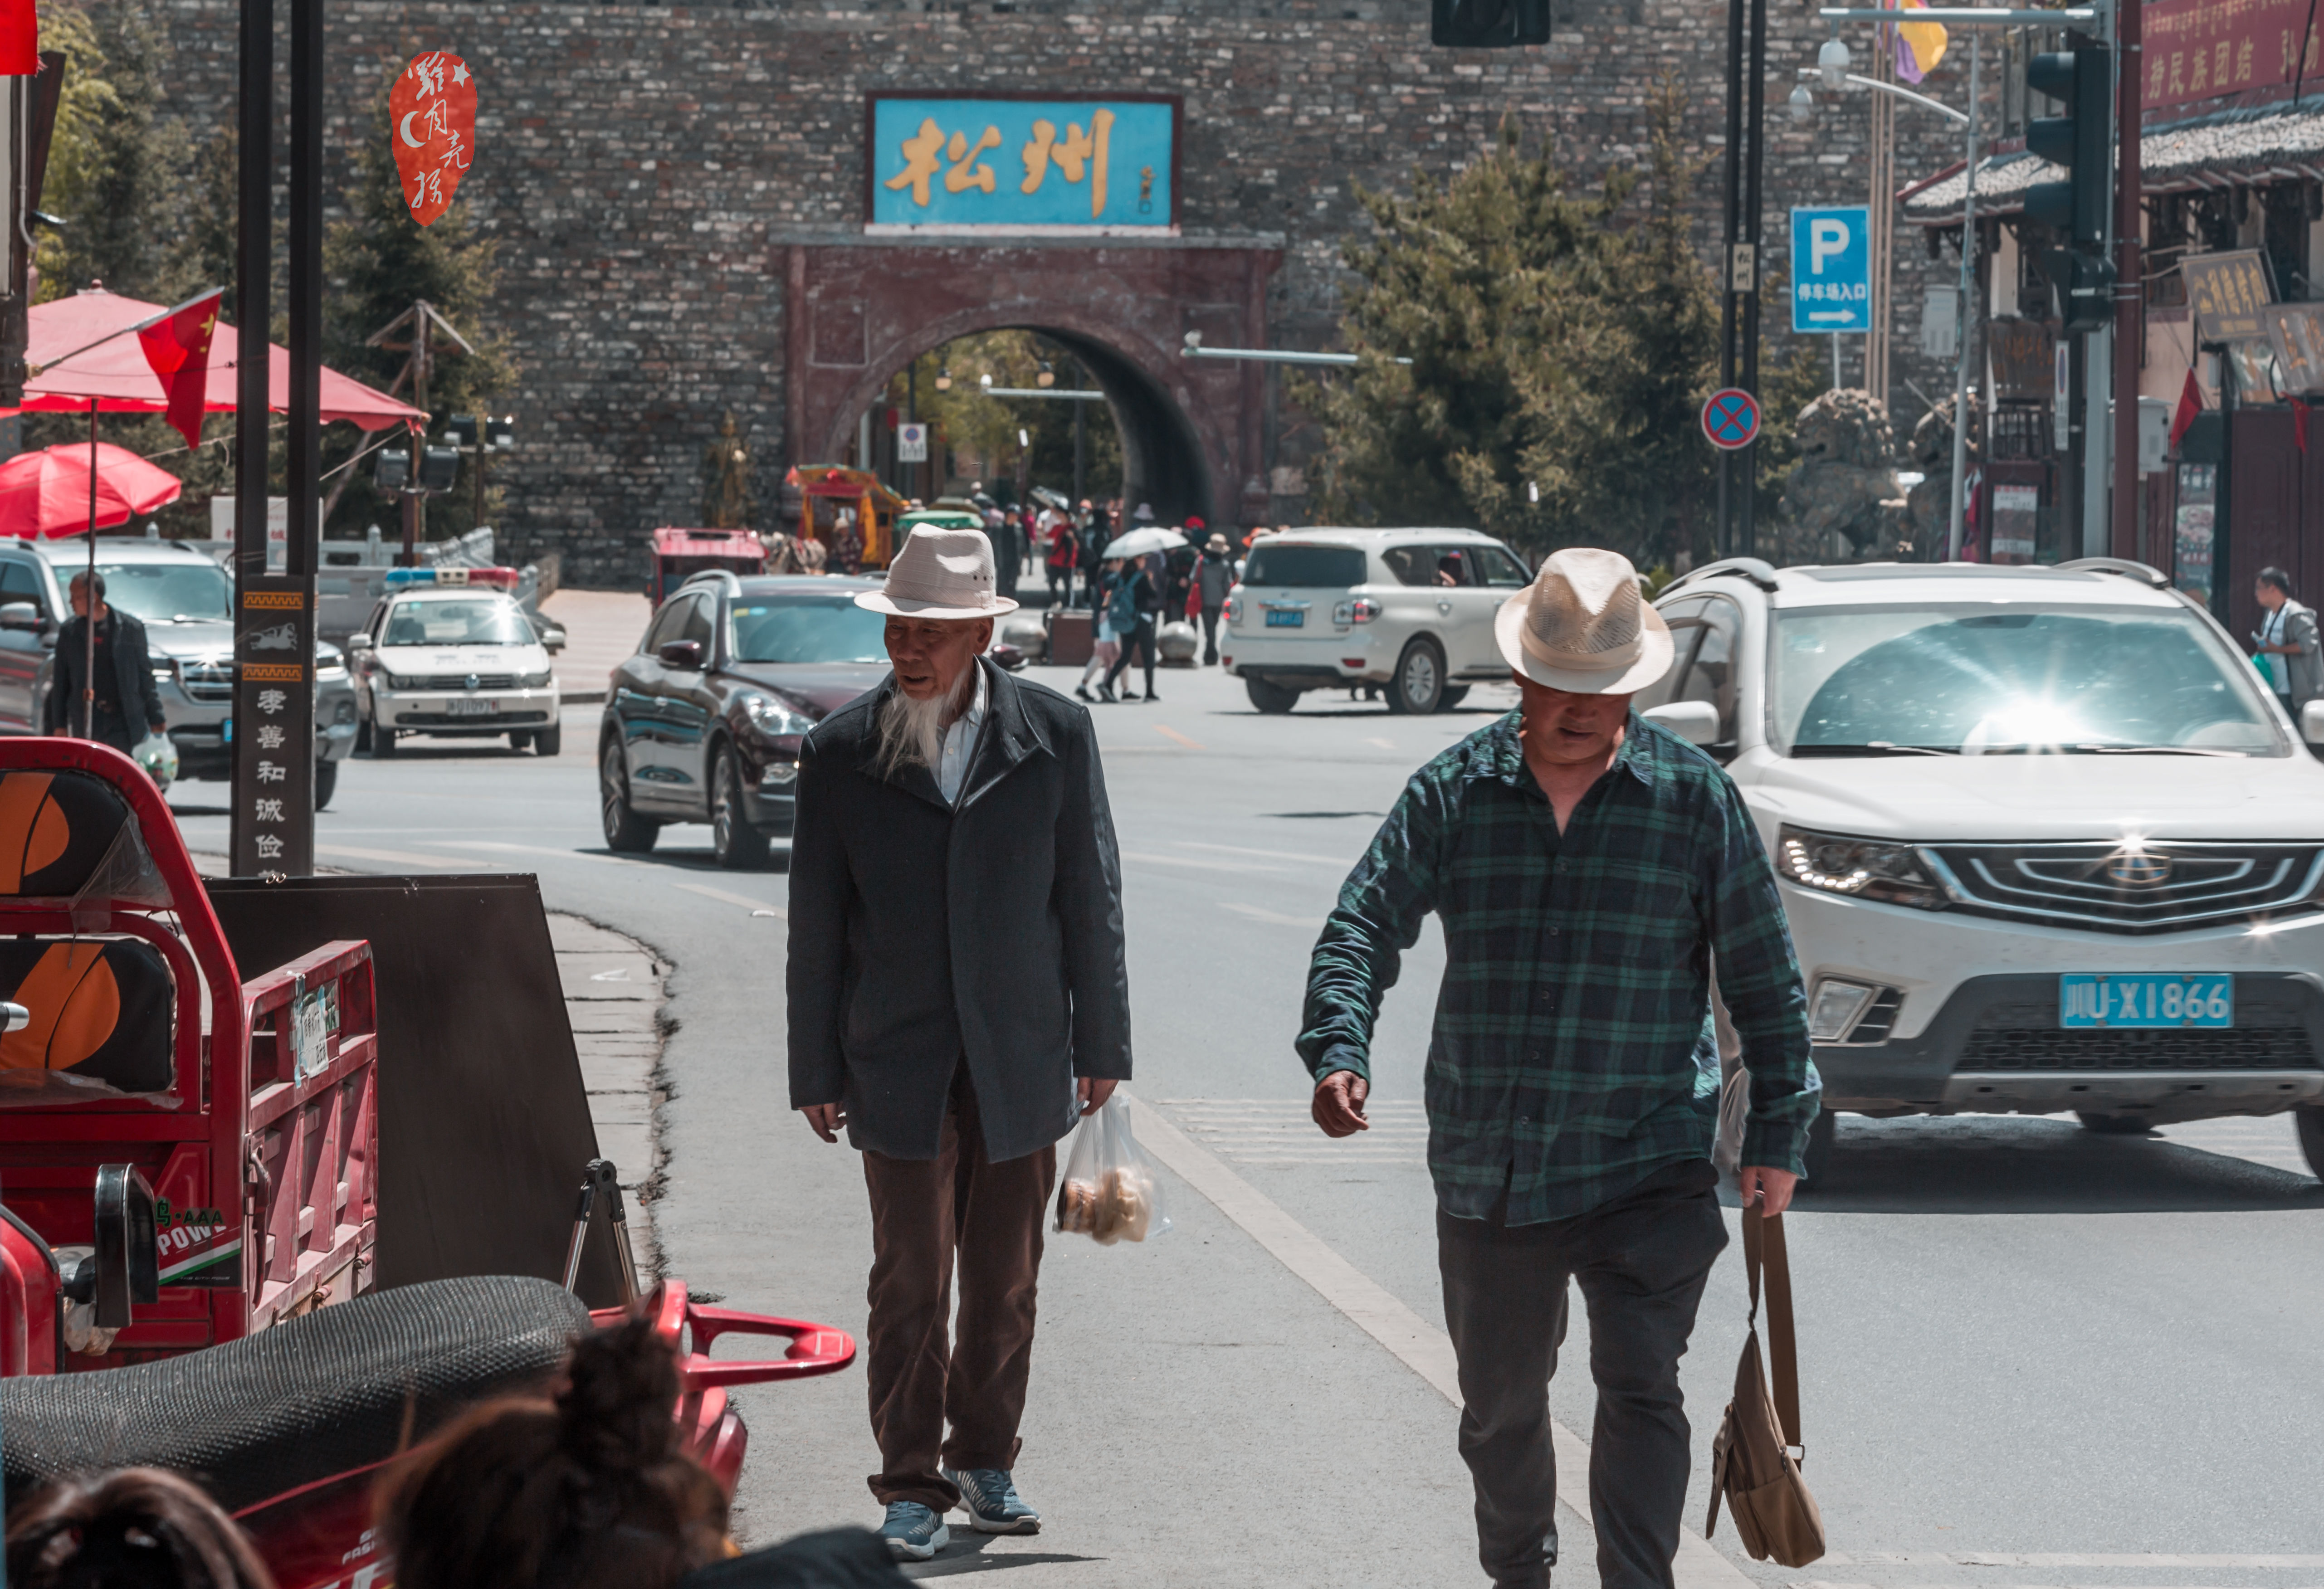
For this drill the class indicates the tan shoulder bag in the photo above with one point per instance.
(1751, 1461)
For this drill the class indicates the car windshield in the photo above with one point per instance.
(807, 628)
(1956, 680)
(169, 592)
(481, 620)
(1309, 567)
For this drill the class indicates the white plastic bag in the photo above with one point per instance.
(1111, 1192)
(157, 753)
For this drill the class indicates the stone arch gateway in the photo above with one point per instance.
(1193, 430)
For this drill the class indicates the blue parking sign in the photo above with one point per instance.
(1832, 268)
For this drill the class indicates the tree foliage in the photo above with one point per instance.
(980, 431)
(1562, 344)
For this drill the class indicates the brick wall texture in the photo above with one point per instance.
(642, 168)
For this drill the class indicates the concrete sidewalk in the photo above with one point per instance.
(601, 631)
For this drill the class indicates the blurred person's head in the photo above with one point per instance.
(78, 590)
(589, 1489)
(136, 1527)
(2272, 588)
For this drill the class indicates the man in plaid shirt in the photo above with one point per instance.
(1590, 869)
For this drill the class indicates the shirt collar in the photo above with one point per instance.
(1640, 754)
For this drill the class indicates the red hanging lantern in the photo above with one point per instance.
(432, 112)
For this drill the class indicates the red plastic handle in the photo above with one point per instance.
(816, 1349)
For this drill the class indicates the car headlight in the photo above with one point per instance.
(770, 717)
(387, 677)
(1862, 868)
(534, 681)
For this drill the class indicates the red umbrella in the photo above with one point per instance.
(45, 495)
(115, 376)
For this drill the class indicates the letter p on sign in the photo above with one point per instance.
(1827, 239)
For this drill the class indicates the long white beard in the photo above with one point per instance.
(912, 732)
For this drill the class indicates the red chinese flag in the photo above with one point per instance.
(432, 122)
(20, 39)
(2190, 403)
(177, 348)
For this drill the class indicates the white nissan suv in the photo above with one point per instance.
(2045, 843)
(1406, 612)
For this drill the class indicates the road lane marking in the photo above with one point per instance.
(1320, 860)
(601, 861)
(1412, 1340)
(755, 907)
(1383, 744)
(1274, 918)
(1171, 733)
(2004, 1558)
(398, 857)
(1206, 866)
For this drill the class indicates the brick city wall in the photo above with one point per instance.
(642, 166)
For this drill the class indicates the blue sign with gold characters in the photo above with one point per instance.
(993, 163)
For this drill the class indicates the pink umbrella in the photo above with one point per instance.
(45, 495)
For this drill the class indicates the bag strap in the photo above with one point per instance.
(1763, 1248)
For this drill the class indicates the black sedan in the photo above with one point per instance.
(704, 723)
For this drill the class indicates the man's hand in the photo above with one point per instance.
(827, 1119)
(1091, 1091)
(1763, 1182)
(1339, 1104)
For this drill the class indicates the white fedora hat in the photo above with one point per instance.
(939, 574)
(1582, 627)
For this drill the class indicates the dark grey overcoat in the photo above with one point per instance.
(921, 934)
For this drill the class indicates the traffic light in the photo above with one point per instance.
(1488, 24)
(2082, 141)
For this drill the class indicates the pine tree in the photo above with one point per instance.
(1562, 344)
(378, 262)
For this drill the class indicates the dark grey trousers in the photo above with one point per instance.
(1641, 1260)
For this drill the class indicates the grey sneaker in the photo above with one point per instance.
(993, 1505)
(914, 1532)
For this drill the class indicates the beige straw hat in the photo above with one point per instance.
(1582, 627)
(940, 573)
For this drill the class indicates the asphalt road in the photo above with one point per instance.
(2030, 1356)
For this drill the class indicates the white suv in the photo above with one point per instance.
(1408, 611)
(2045, 844)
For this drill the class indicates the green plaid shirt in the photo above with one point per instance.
(1573, 1052)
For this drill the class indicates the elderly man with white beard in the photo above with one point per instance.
(958, 997)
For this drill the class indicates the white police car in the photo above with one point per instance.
(448, 652)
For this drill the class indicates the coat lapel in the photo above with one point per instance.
(1009, 735)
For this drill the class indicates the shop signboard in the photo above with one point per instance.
(2024, 368)
(2017, 522)
(1019, 163)
(2229, 293)
(2217, 54)
(2194, 526)
(2297, 330)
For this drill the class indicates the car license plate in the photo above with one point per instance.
(1285, 618)
(2146, 999)
(471, 708)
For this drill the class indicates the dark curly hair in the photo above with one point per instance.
(588, 1490)
(136, 1527)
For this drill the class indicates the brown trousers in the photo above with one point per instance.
(926, 1216)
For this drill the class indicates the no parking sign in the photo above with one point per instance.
(1731, 418)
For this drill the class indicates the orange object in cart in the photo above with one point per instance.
(249, 1107)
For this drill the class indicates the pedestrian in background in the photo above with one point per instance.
(1588, 869)
(1131, 605)
(1215, 577)
(128, 703)
(1064, 547)
(1095, 533)
(2287, 642)
(1104, 644)
(957, 996)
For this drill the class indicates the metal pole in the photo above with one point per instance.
(1080, 432)
(2129, 293)
(253, 314)
(1967, 317)
(304, 403)
(1882, 198)
(88, 595)
(1748, 458)
(1727, 259)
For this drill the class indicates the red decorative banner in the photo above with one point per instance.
(432, 112)
(2206, 55)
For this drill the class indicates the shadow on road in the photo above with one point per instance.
(967, 1554)
(2005, 1165)
(689, 860)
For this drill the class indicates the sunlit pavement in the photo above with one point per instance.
(2030, 1355)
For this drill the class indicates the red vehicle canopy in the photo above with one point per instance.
(680, 554)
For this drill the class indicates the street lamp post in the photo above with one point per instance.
(1965, 318)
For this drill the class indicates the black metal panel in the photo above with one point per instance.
(484, 1122)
